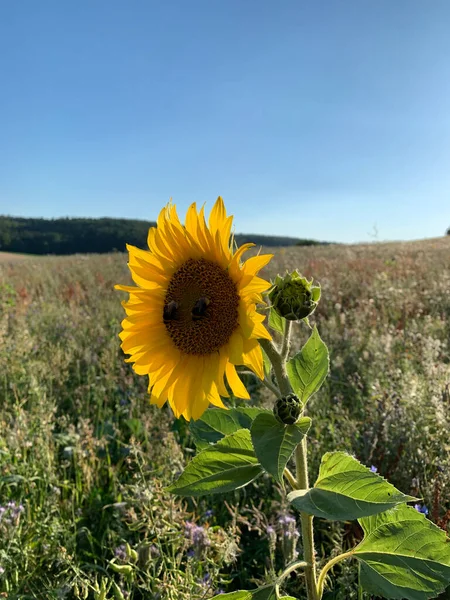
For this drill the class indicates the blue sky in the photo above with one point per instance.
(319, 119)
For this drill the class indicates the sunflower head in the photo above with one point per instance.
(288, 409)
(191, 319)
(293, 296)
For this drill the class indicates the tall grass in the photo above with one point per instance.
(84, 458)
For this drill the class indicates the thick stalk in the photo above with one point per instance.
(278, 360)
(306, 523)
(279, 367)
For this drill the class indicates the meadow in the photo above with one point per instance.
(84, 458)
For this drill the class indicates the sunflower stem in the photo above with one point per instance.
(279, 366)
(286, 346)
(273, 388)
(278, 359)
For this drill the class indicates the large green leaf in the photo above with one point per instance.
(264, 593)
(274, 442)
(228, 465)
(215, 423)
(308, 369)
(345, 490)
(240, 595)
(403, 555)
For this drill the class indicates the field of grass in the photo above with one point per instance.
(84, 458)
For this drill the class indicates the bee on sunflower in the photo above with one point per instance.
(192, 317)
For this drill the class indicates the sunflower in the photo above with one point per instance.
(193, 316)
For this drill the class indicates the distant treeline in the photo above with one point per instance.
(71, 236)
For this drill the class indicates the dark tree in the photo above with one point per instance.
(71, 236)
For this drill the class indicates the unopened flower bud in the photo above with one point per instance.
(288, 409)
(293, 296)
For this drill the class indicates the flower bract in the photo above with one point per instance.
(192, 317)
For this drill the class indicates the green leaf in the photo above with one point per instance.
(215, 423)
(240, 595)
(287, 598)
(264, 593)
(346, 490)
(274, 442)
(307, 369)
(403, 555)
(276, 321)
(228, 465)
(247, 414)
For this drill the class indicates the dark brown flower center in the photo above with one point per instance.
(201, 307)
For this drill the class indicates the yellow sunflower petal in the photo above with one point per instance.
(253, 357)
(235, 383)
(188, 350)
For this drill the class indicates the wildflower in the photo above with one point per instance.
(193, 316)
(198, 538)
(289, 537)
(208, 513)
(270, 531)
(121, 552)
(10, 513)
(2, 570)
(421, 508)
(374, 469)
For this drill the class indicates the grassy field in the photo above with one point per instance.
(84, 458)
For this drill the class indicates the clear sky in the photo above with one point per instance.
(326, 119)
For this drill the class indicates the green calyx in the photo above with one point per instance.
(288, 409)
(293, 296)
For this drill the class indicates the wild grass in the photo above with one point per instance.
(84, 458)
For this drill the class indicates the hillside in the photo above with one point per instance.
(85, 236)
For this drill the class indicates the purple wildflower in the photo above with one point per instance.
(197, 536)
(121, 552)
(374, 469)
(421, 508)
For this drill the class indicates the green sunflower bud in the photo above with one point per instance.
(293, 296)
(288, 409)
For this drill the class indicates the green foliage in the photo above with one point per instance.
(264, 593)
(215, 423)
(346, 490)
(274, 443)
(276, 321)
(308, 369)
(228, 465)
(240, 595)
(403, 555)
(70, 236)
(73, 235)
